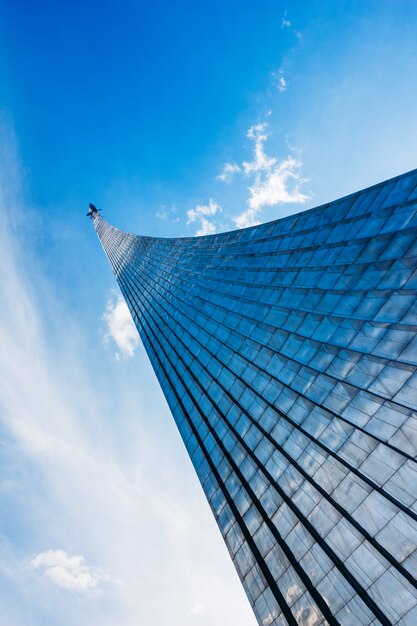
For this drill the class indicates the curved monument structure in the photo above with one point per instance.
(287, 353)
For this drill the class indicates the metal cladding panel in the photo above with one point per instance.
(287, 353)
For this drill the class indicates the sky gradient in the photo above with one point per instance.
(176, 119)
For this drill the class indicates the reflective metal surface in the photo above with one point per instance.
(287, 353)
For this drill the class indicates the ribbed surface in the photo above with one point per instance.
(287, 353)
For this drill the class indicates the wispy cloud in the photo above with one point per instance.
(288, 25)
(276, 182)
(261, 162)
(164, 213)
(91, 462)
(282, 84)
(69, 571)
(200, 216)
(280, 185)
(206, 228)
(120, 326)
(285, 23)
(281, 81)
(229, 170)
(202, 209)
(248, 217)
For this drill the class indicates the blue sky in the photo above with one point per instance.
(175, 119)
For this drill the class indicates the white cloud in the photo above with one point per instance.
(69, 571)
(120, 326)
(206, 228)
(276, 182)
(202, 209)
(282, 84)
(248, 217)
(199, 215)
(273, 181)
(228, 172)
(281, 185)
